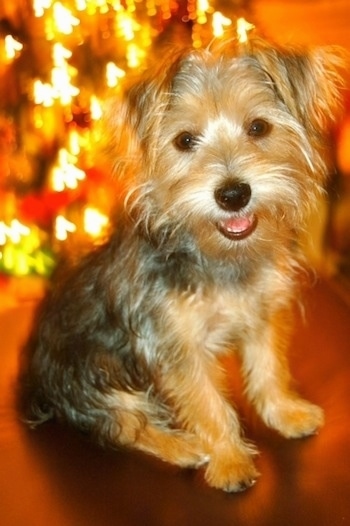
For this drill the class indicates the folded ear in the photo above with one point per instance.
(309, 82)
(133, 121)
(323, 100)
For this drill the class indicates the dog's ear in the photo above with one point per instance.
(308, 81)
(133, 120)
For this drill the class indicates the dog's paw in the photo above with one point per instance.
(192, 459)
(232, 472)
(177, 447)
(296, 418)
(185, 450)
(191, 456)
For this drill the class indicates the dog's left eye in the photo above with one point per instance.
(185, 141)
(259, 128)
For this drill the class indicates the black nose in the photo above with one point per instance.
(233, 197)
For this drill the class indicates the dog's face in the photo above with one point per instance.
(230, 146)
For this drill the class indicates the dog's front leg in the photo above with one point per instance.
(268, 382)
(192, 387)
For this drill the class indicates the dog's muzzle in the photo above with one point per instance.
(234, 198)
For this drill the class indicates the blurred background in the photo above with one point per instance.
(61, 60)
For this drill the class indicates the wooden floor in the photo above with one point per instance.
(54, 476)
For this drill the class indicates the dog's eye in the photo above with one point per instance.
(185, 141)
(259, 128)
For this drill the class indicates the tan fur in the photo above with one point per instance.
(209, 260)
(214, 96)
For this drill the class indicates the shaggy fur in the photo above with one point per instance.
(224, 157)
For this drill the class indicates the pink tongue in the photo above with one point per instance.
(238, 225)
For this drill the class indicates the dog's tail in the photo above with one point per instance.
(35, 409)
(32, 404)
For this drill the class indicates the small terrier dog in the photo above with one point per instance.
(224, 159)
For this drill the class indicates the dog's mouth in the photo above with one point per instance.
(238, 227)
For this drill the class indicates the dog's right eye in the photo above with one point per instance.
(259, 128)
(185, 141)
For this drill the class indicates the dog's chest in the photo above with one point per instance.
(215, 318)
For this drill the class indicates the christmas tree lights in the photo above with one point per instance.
(59, 61)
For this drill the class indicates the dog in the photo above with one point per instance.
(222, 151)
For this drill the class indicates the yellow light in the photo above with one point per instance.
(60, 54)
(95, 107)
(80, 5)
(219, 23)
(202, 8)
(63, 89)
(21, 252)
(12, 232)
(22, 263)
(39, 7)
(38, 119)
(127, 26)
(113, 74)
(203, 5)
(134, 55)
(9, 257)
(74, 142)
(242, 30)
(63, 227)
(12, 47)
(4, 232)
(104, 9)
(130, 4)
(61, 75)
(65, 174)
(43, 93)
(116, 4)
(94, 221)
(64, 20)
(92, 6)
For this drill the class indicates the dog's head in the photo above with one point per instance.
(228, 145)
